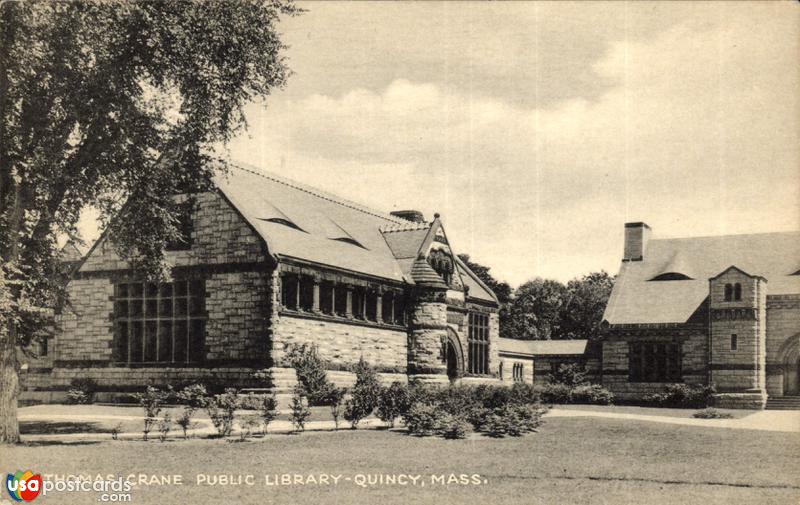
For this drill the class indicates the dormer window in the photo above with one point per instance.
(671, 276)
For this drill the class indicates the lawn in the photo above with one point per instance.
(571, 460)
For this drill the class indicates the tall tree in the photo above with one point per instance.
(536, 310)
(585, 303)
(500, 288)
(117, 105)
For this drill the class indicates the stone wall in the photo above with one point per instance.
(226, 254)
(427, 333)
(783, 330)
(616, 347)
(341, 343)
(505, 369)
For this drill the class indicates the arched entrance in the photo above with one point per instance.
(454, 355)
(790, 363)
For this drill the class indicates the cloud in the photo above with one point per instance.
(698, 135)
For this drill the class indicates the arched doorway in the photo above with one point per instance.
(454, 355)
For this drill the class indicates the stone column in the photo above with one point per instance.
(427, 331)
(379, 306)
(315, 306)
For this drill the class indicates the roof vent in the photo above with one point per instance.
(284, 222)
(671, 276)
(414, 216)
(349, 240)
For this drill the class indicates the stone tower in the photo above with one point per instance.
(427, 324)
(737, 338)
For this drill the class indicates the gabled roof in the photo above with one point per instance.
(542, 347)
(637, 299)
(304, 223)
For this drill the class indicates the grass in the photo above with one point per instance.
(655, 411)
(571, 460)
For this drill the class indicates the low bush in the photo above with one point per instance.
(682, 396)
(164, 427)
(222, 408)
(81, 391)
(424, 420)
(247, 425)
(569, 374)
(592, 394)
(300, 411)
(193, 397)
(454, 427)
(268, 408)
(711, 413)
(393, 402)
(310, 369)
(152, 401)
(555, 393)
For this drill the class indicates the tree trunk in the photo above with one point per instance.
(9, 389)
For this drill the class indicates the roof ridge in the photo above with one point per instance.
(312, 191)
(694, 237)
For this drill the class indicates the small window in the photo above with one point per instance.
(289, 291)
(517, 372)
(306, 293)
(500, 370)
(734, 342)
(728, 292)
(372, 306)
(43, 347)
(326, 302)
(737, 291)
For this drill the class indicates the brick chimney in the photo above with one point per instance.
(409, 215)
(636, 237)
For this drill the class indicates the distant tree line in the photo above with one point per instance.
(546, 309)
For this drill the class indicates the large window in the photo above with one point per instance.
(478, 342)
(159, 323)
(654, 362)
(733, 292)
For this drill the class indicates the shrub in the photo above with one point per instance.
(164, 427)
(496, 425)
(222, 408)
(115, 431)
(310, 369)
(682, 396)
(528, 417)
(711, 413)
(593, 394)
(152, 401)
(569, 374)
(81, 391)
(300, 411)
(247, 425)
(457, 400)
(424, 420)
(524, 393)
(268, 408)
(393, 402)
(334, 398)
(193, 397)
(454, 427)
(555, 393)
(479, 417)
(364, 396)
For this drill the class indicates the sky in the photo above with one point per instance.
(537, 130)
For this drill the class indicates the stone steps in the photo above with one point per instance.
(783, 403)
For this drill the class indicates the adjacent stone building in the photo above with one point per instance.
(267, 264)
(719, 310)
(534, 361)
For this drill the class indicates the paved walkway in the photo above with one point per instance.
(767, 420)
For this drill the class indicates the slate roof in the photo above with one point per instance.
(542, 347)
(307, 224)
(637, 299)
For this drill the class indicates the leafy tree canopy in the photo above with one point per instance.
(501, 289)
(117, 105)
